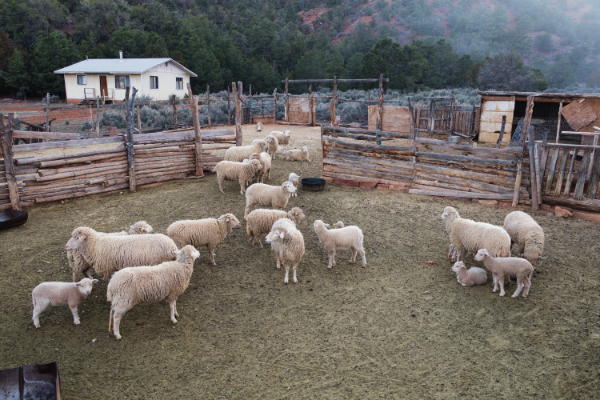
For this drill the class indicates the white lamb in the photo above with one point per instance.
(513, 266)
(149, 284)
(297, 154)
(239, 153)
(470, 236)
(268, 196)
(265, 162)
(79, 265)
(260, 222)
(60, 293)
(283, 138)
(207, 232)
(527, 233)
(237, 171)
(288, 244)
(473, 276)
(339, 225)
(294, 179)
(108, 253)
(349, 237)
(272, 144)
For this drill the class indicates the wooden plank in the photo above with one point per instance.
(582, 175)
(561, 170)
(129, 104)
(46, 135)
(542, 170)
(368, 147)
(367, 173)
(463, 195)
(551, 169)
(585, 204)
(595, 177)
(579, 114)
(67, 143)
(482, 151)
(332, 131)
(570, 175)
(35, 160)
(466, 159)
(395, 119)
(7, 152)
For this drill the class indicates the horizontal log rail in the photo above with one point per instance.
(45, 135)
(369, 147)
(329, 130)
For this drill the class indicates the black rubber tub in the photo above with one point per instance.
(313, 184)
(10, 218)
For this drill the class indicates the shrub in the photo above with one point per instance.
(86, 126)
(112, 118)
(67, 122)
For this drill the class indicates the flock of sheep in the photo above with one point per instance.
(146, 267)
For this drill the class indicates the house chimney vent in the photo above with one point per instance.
(121, 55)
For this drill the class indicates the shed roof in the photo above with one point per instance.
(118, 66)
(540, 94)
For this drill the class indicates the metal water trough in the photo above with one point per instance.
(31, 382)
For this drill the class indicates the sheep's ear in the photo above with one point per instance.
(326, 224)
(94, 281)
(78, 284)
(281, 235)
(177, 252)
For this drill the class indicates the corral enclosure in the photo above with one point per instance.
(391, 330)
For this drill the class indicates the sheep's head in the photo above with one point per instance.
(293, 177)
(231, 221)
(276, 235)
(274, 140)
(288, 186)
(457, 266)
(263, 145)
(296, 213)
(339, 225)
(186, 253)
(269, 140)
(140, 228)
(481, 255)
(85, 285)
(318, 224)
(304, 149)
(450, 214)
(287, 133)
(79, 236)
(256, 164)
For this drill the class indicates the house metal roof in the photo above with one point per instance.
(539, 94)
(118, 66)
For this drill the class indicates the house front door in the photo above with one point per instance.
(103, 86)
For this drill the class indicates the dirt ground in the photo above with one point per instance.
(391, 330)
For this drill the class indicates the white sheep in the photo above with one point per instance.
(265, 162)
(297, 154)
(527, 233)
(272, 144)
(108, 253)
(60, 293)
(294, 178)
(339, 225)
(349, 237)
(269, 196)
(207, 232)
(473, 276)
(283, 138)
(260, 222)
(288, 244)
(259, 126)
(470, 236)
(512, 266)
(149, 284)
(236, 171)
(79, 265)
(239, 153)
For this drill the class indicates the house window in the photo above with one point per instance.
(154, 82)
(179, 83)
(121, 81)
(81, 80)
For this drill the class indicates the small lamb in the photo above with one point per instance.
(474, 276)
(268, 196)
(261, 221)
(349, 237)
(58, 294)
(265, 162)
(294, 179)
(149, 284)
(297, 154)
(288, 244)
(513, 266)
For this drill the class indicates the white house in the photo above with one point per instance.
(107, 78)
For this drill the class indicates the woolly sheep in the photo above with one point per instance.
(108, 253)
(269, 196)
(272, 144)
(265, 162)
(259, 126)
(149, 284)
(283, 138)
(527, 233)
(349, 237)
(473, 276)
(294, 179)
(288, 244)
(339, 225)
(297, 154)
(261, 221)
(466, 235)
(513, 266)
(207, 232)
(60, 293)
(239, 153)
(79, 265)
(236, 171)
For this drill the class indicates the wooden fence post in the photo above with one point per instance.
(310, 98)
(47, 112)
(287, 101)
(559, 121)
(208, 103)
(430, 116)
(174, 113)
(531, 141)
(499, 143)
(275, 105)
(139, 119)
(238, 114)
(98, 117)
(197, 133)
(228, 108)
(332, 104)
(9, 169)
(129, 103)
(380, 111)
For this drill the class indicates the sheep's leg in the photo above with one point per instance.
(40, 306)
(501, 284)
(117, 315)
(295, 280)
(86, 273)
(331, 258)
(211, 254)
(278, 261)
(75, 276)
(172, 305)
(111, 320)
(73, 308)
(363, 256)
(242, 186)
(353, 257)
(495, 283)
(259, 242)
(520, 285)
(221, 185)
(527, 286)
(287, 272)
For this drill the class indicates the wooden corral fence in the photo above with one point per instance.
(448, 119)
(422, 166)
